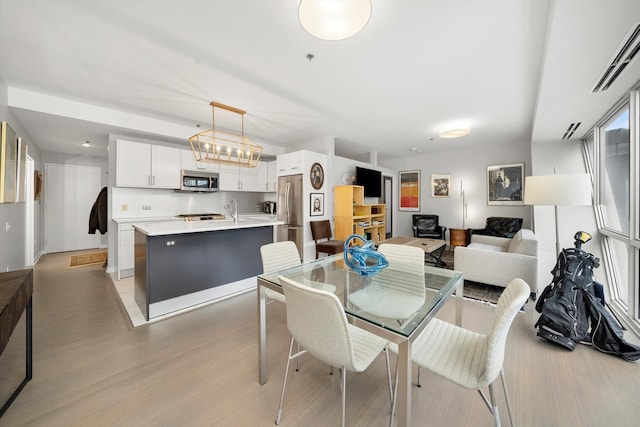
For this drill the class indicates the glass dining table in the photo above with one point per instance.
(393, 304)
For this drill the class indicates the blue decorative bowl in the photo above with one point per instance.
(359, 257)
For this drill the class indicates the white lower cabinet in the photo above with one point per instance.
(126, 261)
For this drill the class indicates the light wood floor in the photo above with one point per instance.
(200, 369)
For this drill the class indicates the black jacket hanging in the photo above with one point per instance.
(98, 215)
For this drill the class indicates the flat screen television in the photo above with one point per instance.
(371, 180)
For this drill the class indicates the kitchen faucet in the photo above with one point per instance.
(233, 212)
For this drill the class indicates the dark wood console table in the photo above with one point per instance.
(458, 237)
(16, 289)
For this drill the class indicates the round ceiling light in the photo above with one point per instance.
(334, 19)
(454, 131)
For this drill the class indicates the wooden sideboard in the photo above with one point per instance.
(16, 289)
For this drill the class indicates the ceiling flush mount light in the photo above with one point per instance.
(217, 146)
(334, 19)
(86, 144)
(454, 131)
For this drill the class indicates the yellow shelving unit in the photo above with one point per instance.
(352, 216)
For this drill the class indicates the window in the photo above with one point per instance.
(614, 159)
(614, 185)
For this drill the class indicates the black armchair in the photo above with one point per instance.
(426, 226)
(500, 227)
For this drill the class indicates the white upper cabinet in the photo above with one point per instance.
(290, 163)
(146, 165)
(188, 162)
(272, 176)
(234, 178)
(261, 183)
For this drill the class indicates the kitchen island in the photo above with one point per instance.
(182, 264)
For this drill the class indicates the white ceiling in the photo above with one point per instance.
(518, 71)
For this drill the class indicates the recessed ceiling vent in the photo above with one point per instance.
(573, 127)
(624, 55)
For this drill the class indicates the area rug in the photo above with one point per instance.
(91, 258)
(473, 290)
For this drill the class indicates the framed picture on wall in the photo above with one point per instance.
(505, 184)
(317, 204)
(409, 182)
(8, 159)
(440, 185)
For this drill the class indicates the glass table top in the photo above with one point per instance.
(393, 299)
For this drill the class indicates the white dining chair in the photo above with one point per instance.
(318, 323)
(276, 257)
(469, 359)
(403, 292)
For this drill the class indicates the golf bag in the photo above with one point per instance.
(573, 304)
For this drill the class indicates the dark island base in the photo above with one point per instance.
(176, 265)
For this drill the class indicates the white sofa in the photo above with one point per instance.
(498, 260)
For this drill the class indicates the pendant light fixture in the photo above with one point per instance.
(218, 146)
(334, 19)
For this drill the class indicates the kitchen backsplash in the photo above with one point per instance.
(145, 203)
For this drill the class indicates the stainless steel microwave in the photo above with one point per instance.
(198, 181)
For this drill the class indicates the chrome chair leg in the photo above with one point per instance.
(343, 374)
(494, 407)
(284, 383)
(506, 396)
(386, 355)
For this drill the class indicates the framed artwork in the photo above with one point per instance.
(37, 184)
(317, 204)
(20, 170)
(8, 163)
(505, 184)
(440, 185)
(317, 176)
(409, 182)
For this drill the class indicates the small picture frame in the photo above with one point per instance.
(440, 185)
(317, 204)
(409, 184)
(505, 184)
(316, 175)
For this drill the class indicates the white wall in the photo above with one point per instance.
(12, 241)
(470, 167)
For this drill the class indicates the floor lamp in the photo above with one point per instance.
(558, 190)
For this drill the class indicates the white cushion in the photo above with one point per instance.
(485, 247)
(515, 242)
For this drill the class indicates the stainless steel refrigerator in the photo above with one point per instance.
(290, 210)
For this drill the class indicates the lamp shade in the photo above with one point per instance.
(334, 19)
(558, 190)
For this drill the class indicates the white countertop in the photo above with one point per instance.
(146, 219)
(162, 228)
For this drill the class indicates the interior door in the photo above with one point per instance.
(69, 194)
(388, 205)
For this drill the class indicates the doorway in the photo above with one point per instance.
(69, 194)
(29, 243)
(387, 196)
